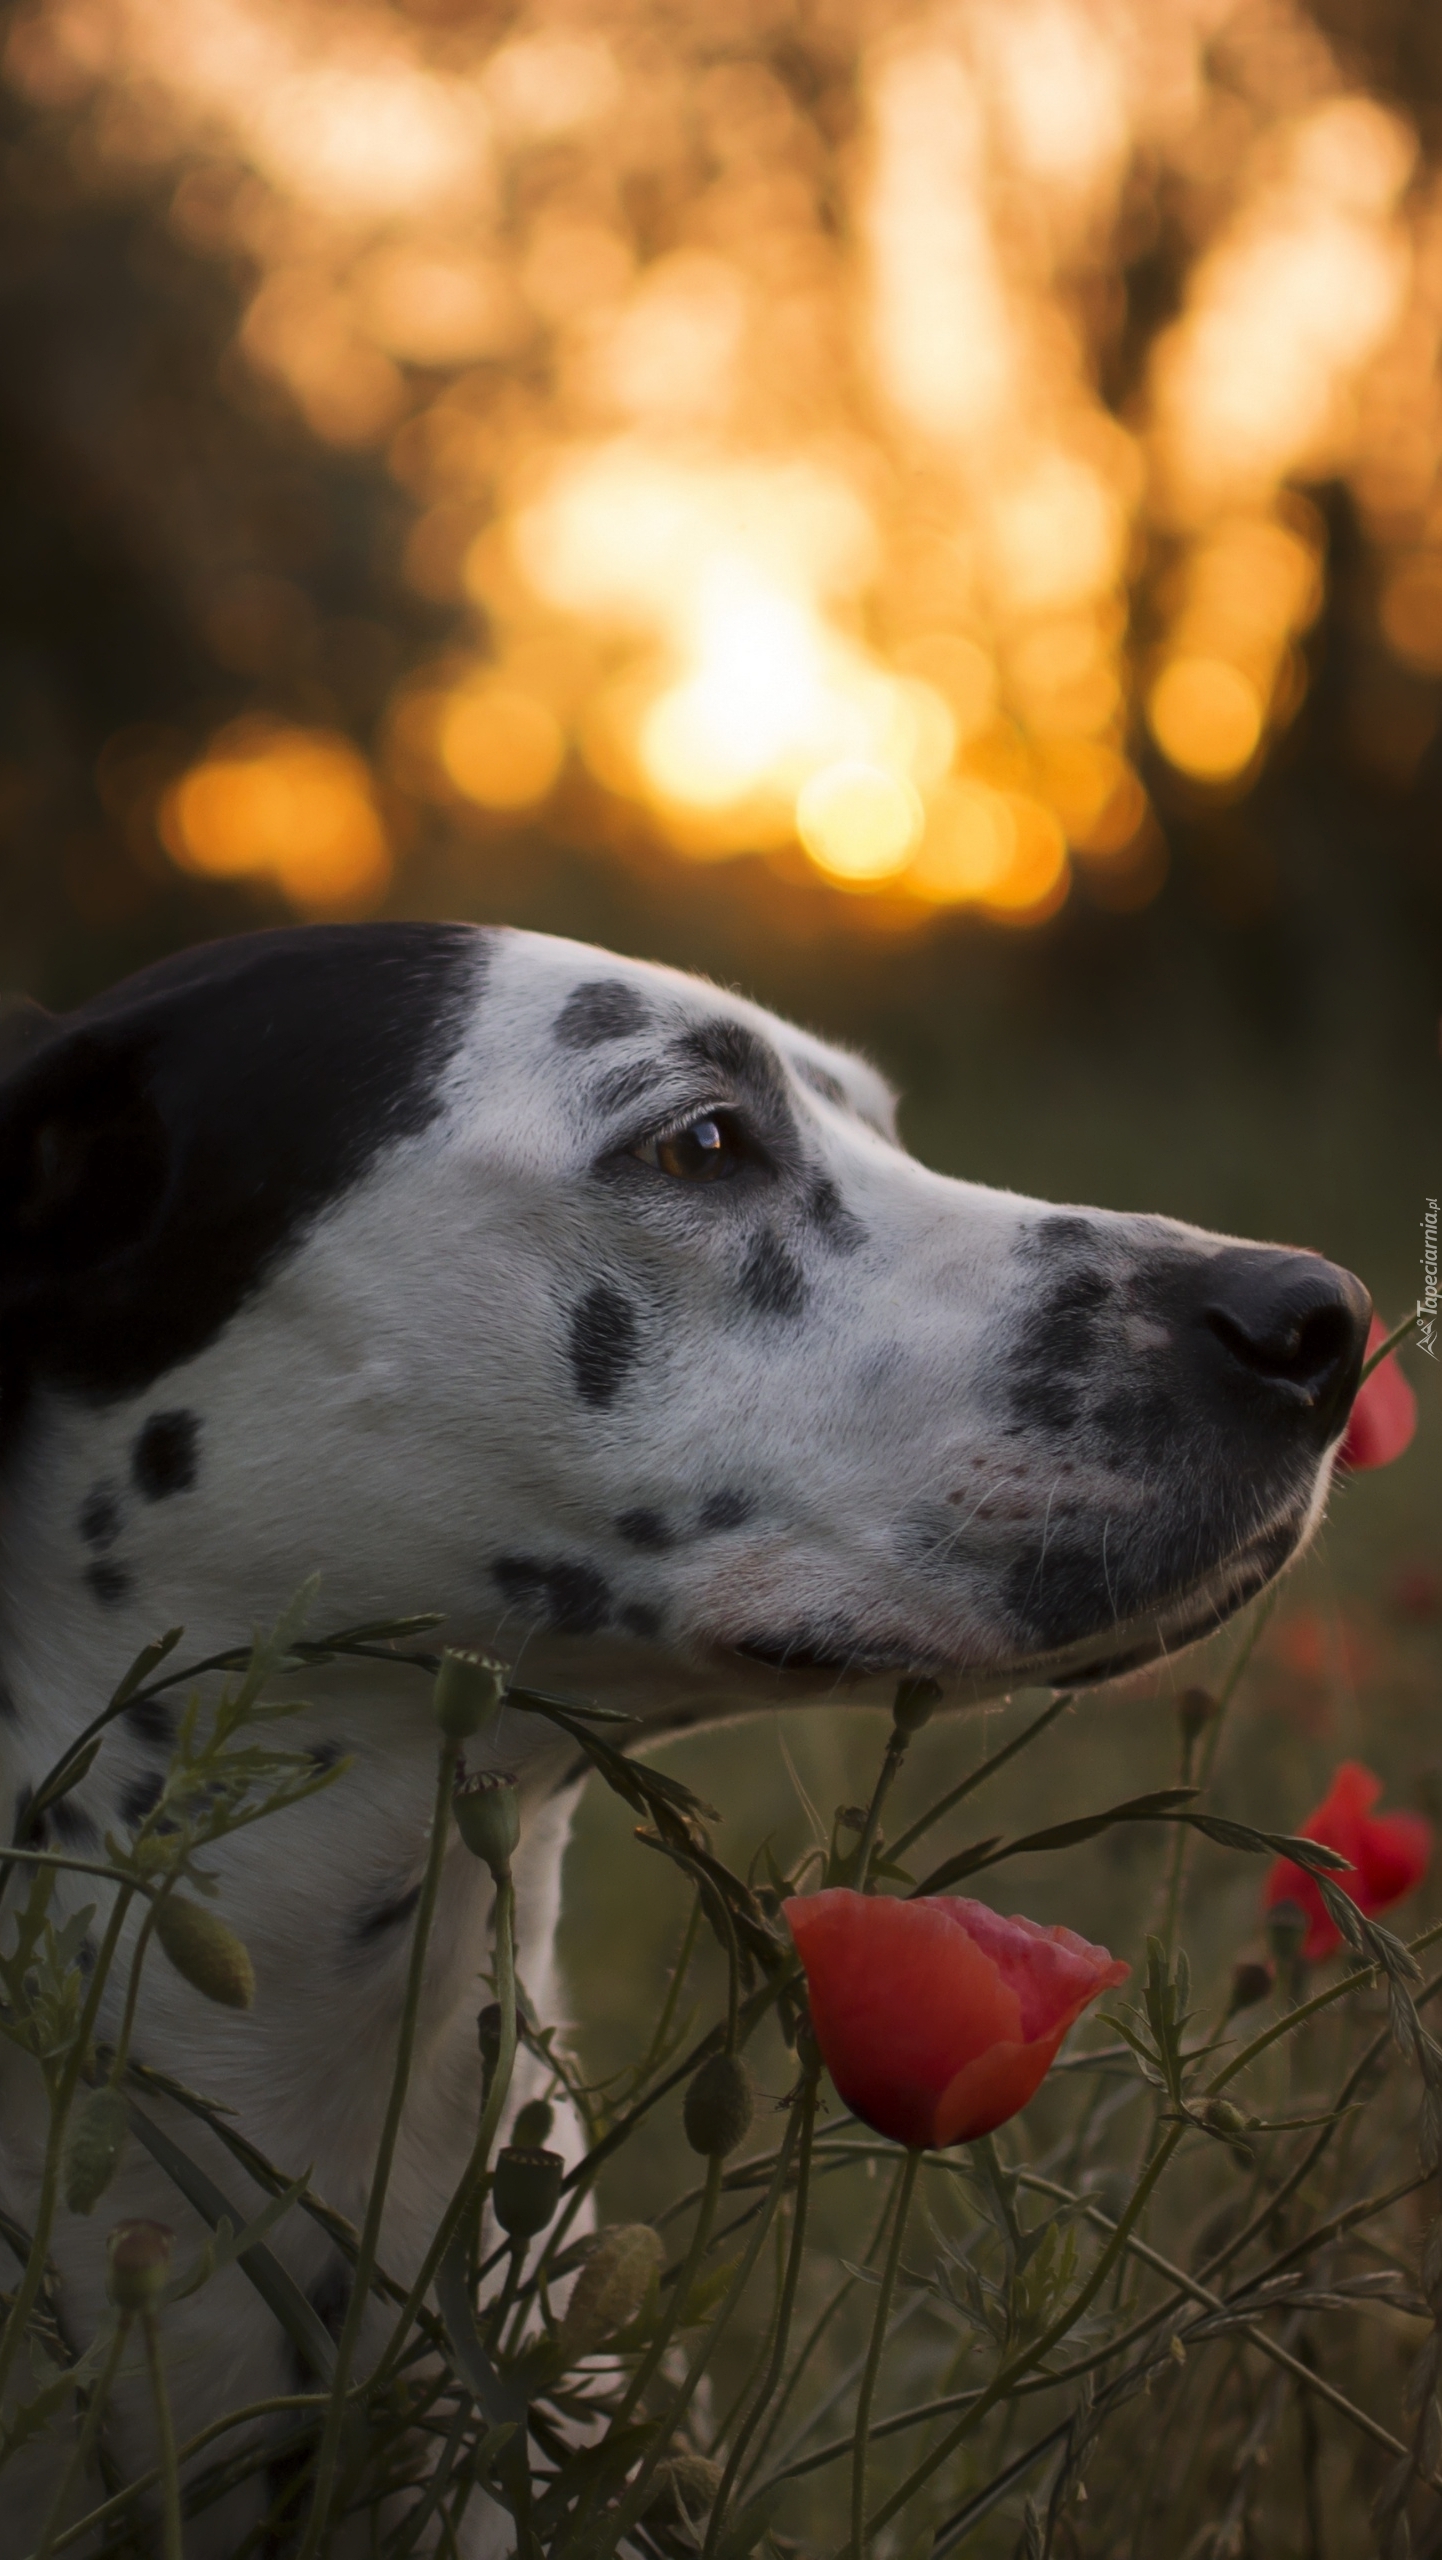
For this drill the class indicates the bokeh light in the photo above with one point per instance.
(294, 803)
(773, 427)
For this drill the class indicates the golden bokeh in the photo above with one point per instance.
(499, 746)
(1206, 716)
(755, 389)
(294, 803)
(859, 822)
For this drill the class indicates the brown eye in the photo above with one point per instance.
(706, 1151)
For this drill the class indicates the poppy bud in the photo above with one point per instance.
(527, 2189)
(1251, 1982)
(915, 1698)
(92, 2152)
(469, 1689)
(533, 2124)
(1195, 1710)
(137, 2263)
(719, 2106)
(1220, 2116)
(201, 1946)
(488, 1818)
(612, 2287)
(684, 2487)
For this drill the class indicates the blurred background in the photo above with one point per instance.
(930, 514)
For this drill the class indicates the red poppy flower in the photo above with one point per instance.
(1390, 1853)
(1384, 1416)
(938, 2019)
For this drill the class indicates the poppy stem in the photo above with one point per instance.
(905, 2182)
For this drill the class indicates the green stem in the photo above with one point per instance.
(141, 1948)
(817, 2332)
(171, 2538)
(1391, 1343)
(789, 2283)
(328, 2456)
(624, 2517)
(100, 2517)
(905, 2183)
(687, 1949)
(30, 2282)
(79, 2462)
(473, 2176)
(1183, 1837)
(1004, 2382)
(896, 1750)
(979, 1777)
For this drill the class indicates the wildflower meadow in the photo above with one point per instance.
(900, 2221)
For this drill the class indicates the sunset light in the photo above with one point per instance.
(772, 439)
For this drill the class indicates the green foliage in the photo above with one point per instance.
(1185, 2233)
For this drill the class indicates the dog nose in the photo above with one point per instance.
(1296, 1325)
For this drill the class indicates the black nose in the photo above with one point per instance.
(1295, 1324)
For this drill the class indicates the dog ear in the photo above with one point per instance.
(83, 1171)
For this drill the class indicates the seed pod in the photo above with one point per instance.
(719, 2106)
(1251, 1982)
(532, 2127)
(137, 2263)
(488, 1818)
(611, 2289)
(683, 2488)
(915, 1698)
(93, 2148)
(206, 1950)
(527, 2190)
(1220, 2116)
(469, 1689)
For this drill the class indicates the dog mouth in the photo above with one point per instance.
(1169, 1625)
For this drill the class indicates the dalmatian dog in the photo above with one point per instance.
(596, 1308)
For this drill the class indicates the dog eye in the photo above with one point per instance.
(706, 1150)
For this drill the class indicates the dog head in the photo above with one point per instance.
(598, 1308)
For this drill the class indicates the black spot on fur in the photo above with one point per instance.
(379, 1918)
(643, 1529)
(829, 1214)
(140, 1797)
(98, 1519)
(772, 1280)
(323, 1755)
(638, 1620)
(603, 1009)
(8, 1709)
(1061, 1354)
(1050, 1237)
(830, 1087)
(163, 1459)
(110, 1583)
(572, 1598)
(727, 1509)
(602, 1344)
(151, 1721)
(621, 1086)
(735, 1052)
(73, 1824)
(168, 1142)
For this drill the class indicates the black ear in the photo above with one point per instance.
(83, 1173)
